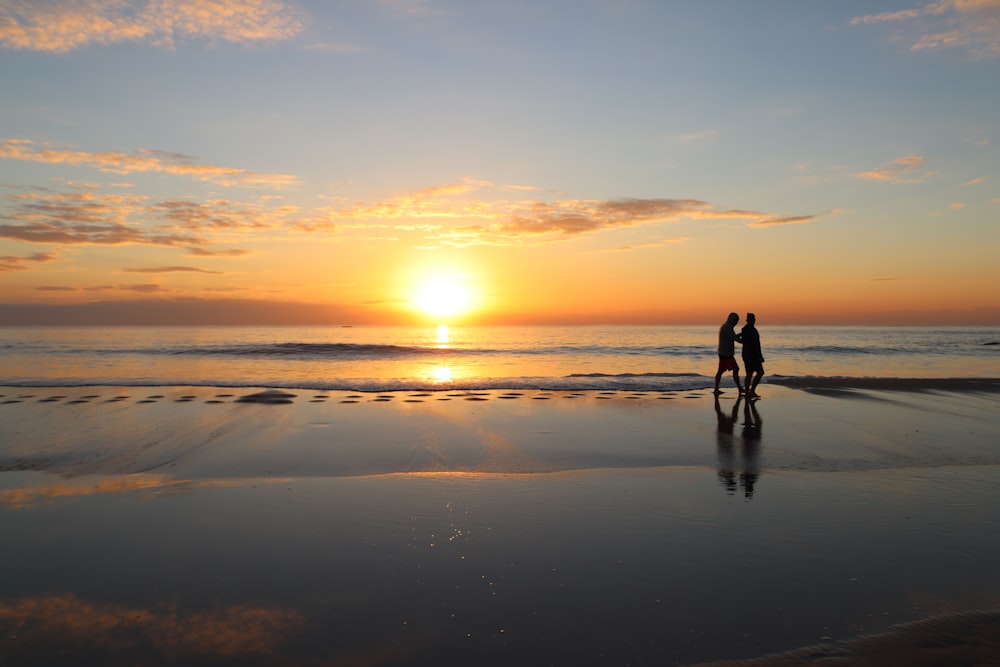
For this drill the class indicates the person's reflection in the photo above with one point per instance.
(742, 475)
(751, 448)
(724, 445)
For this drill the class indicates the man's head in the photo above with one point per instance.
(751, 318)
(733, 318)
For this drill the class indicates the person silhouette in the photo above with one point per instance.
(727, 352)
(753, 358)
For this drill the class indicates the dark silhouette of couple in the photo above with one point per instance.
(753, 358)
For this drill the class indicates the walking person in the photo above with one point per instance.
(753, 357)
(727, 352)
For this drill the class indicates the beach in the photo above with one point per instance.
(830, 520)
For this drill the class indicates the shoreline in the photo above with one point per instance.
(627, 383)
(78, 430)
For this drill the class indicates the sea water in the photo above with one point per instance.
(427, 358)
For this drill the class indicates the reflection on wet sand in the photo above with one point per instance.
(750, 441)
(56, 627)
(149, 486)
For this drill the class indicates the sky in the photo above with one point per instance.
(499, 161)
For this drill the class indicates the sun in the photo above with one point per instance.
(443, 296)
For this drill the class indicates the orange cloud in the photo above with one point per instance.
(92, 218)
(216, 214)
(652, 244)
(61, 26)
(506, 222)
(17, 263)
(562, 219)
(228, 252)
(440, 201)
(790, 220)
(170, 269)
(973, 25)
(903, 170)
(142, 160)
(974, 181)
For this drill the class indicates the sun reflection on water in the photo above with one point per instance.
(443, 335)
(441, 374)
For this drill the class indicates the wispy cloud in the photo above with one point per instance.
(466, 213)
(59, 26)
(697, 136)
(93, 217)
(219, 214)
(142, 160)
(643, 246)
(410, 8)
(973, 25)
(18, 263)
(169, 269)
(568, 218)
(975, 181)
(512, 222)
(142, 288)
(82, 218)
(224, 252)
(788, 220)
(903, 170)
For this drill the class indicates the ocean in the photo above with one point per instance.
(377, 359)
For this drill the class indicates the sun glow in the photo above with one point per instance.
(443, 296)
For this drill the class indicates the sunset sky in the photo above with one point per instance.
(499, 161)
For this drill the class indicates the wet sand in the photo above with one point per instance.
(215, 526)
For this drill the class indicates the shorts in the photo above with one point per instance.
(753, 366)
(728, 364)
